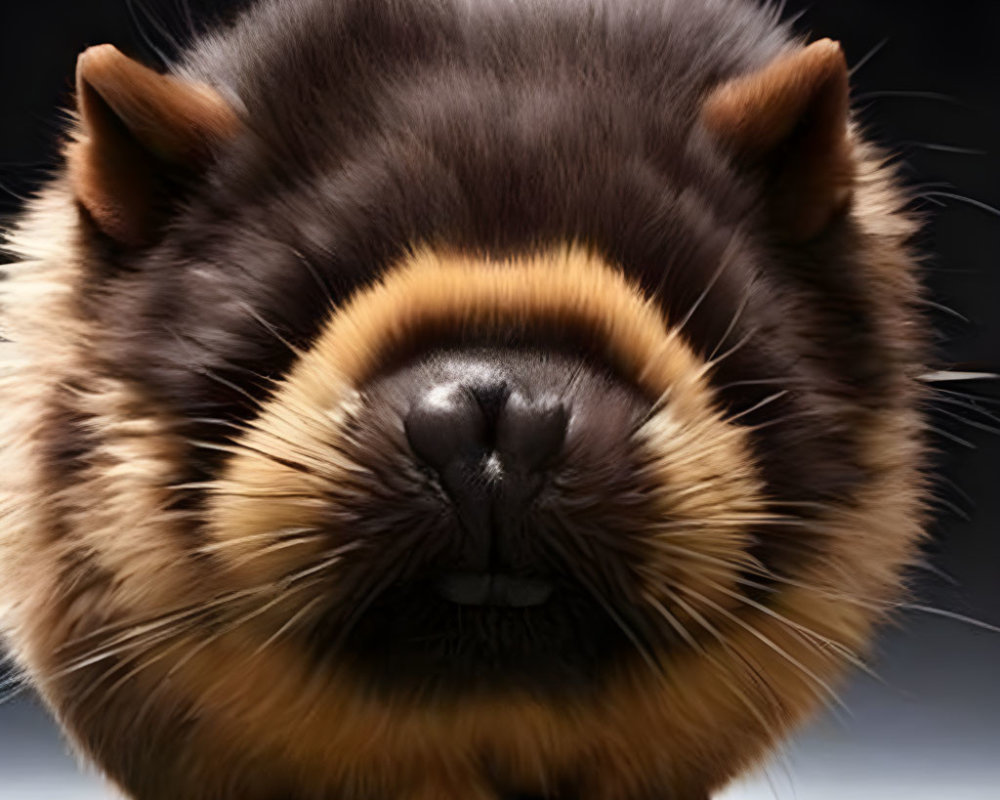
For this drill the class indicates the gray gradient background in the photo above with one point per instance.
(930, 727)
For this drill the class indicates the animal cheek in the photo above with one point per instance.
(708, 504)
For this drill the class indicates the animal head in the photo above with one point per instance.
(418, 402)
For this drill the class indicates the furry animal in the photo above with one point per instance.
(432, 399)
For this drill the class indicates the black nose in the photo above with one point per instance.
(481, 434)
(490, 445)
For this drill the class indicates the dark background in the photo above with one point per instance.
(927, 83)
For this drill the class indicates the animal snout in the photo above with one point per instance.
(489, 439)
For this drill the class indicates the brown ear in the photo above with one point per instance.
(790, 120)
(140, 131)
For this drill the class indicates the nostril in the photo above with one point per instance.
(446, 424)
(463, 424)
(491, 396)
(530, 433)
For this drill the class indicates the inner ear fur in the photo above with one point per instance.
(790, 120)
(140, 132)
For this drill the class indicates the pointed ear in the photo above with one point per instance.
(140, 132)
(790, 121)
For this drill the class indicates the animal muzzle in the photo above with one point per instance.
(491, 473)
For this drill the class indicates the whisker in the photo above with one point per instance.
(246, 558)
(217, 489)
(770, 643)
(744, 302)
(757, 406)
(191, 653)
(946, 148)
(129, 631)
(951, 312)
(761, 382)
(947, 376)
(245, 449)
(800, 628)
(968, 200)
(582, 574)
(292, 621)
(324, 287)
(281, 533)
(952, 615)
(130, 6)
(728, 256)
(868, 57)
(295, 351)
(909, 95)
(954, 508)
(970, 422)
(371, 594)
(950, 436)
(731, 648)
(973, 399)
(965, 402)
(710, 365)
(878, 606)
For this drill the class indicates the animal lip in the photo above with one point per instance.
(492, 589)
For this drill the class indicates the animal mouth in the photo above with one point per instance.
(463, 632)
(493, 589)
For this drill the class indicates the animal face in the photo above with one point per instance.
(505, 403)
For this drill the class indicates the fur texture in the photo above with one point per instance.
(193, 478)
